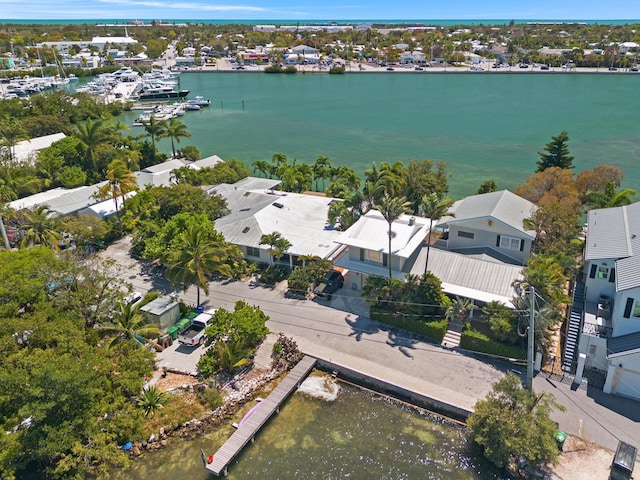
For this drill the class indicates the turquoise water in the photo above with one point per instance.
(483, 125)
(359, 435)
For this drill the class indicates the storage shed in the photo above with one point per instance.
(164, 311)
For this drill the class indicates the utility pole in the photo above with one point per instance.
(532, 317)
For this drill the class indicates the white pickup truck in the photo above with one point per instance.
(194, 335)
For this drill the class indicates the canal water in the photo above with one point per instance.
(484, 125)
(333, 431)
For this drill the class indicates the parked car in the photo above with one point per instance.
(133, 298)
(331, 282)
(195, 335)
(544, 67)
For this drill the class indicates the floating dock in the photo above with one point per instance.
(247, 431)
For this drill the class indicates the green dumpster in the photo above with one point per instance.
(183, 324)
(173, 331)
(560, 437)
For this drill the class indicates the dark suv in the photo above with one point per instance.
(330, 283)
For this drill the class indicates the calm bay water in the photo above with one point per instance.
(484, 126)
(358, 435)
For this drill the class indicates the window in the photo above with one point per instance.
(253, 252)
(371, 256)
(603, 272)
(636, 309)
(464, 234)
(510, 243)
(632, 308)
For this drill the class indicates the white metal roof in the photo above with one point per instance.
(371, 232)
(504, 206)
(24, 150)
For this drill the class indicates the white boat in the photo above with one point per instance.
(201, 101)
(191, 105)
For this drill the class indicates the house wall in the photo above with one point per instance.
(626, 312)
(597, 283)
(486, 235)
(356, 254)
(595, 348)
(262, 258)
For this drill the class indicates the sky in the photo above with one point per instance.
(320, 9)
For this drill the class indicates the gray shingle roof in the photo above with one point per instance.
(623, 345)
(504, 206)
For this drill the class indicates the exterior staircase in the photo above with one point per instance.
(452, 337)
(574, 328)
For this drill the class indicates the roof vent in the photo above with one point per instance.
(246, 229)
(277, 205)
(412, 221)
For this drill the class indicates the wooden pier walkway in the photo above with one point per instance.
(247, 431)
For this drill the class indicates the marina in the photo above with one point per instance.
(248, 428)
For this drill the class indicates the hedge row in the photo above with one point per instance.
(434, 330)
(478, 342)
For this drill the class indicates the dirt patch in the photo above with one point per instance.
(175, 380)
(582, 460)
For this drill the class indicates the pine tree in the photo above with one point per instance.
(557, 153)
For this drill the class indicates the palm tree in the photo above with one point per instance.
(92, 134)
(434, 207)
(155, 129)
(231, 355)
(262, 167)
(174, 129)
(321, 170)
(152, 399)
(278, 245)
(391, 208)
(610, 197)
(130, 324)
(195, 260)
(39, 228)
(461, 308)
(120, 182)
(11, 132)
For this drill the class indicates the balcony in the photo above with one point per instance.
(597, 319)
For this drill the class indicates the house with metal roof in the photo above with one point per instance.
(489, 226)
(257, 209)
(610, 321)
(26, 151)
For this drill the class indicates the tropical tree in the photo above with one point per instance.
(391, 208)
(460, 308)
(92, 134)
(321, 170)
(154, 129)
(40, 228)
(556, 153)
(434, 207)
(120, 181)
(11, 132)
(611, 197)
(263, 167)
(193, 258)
(278, 245)
(231, 355)
(152, 399)
(129, 325)
(512, 423)
(487, 186)
(174, 129)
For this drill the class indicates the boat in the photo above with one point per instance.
(248, 414)
(154, 91)
(191, 105)
(201, 101)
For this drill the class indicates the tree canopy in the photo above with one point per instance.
(556, 153)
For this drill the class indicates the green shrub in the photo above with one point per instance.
(273, 69)
(291, 69)
(211, 398)
(273, 274)
(300, 280)
(337, 70)
(478, 342)
(434, 329)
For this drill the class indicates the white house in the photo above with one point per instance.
(26, 151)
(256, 209)
(610, 333)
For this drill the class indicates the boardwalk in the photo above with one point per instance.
(247, 431)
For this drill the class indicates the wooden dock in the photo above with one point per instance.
(247, 431)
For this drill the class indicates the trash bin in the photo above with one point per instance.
(173, 332)
(623, 462)
(183, 324)
(560, 437)
(200, 309)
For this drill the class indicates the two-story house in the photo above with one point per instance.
(479, 255)
(610, 334)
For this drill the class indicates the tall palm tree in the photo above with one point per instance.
(120, 180)
(434, 207)
(11, 132)
(321, 170)
(175, 129)
(195, 259)
(92, 134)
(129, 324)
(154, 129)
(262, 167)
(39, 228)
(461, 308)
(610, 197)
(391, 208)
